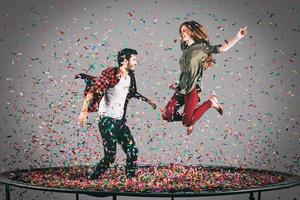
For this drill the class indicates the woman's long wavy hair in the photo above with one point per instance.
(198, 33)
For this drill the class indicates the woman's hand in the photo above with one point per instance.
(173, 86)
(242, 32)
(225, 47)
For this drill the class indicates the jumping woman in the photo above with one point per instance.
(196, 57)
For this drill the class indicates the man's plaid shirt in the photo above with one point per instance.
(108, 78)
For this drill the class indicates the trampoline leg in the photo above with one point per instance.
(77, 196)
(114, 197)
(7, 194)
(172, 198)
(251, 197)
(259, 196)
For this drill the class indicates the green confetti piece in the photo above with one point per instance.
(93, 36)
(270, 129)
(92, 66)
(154, 149)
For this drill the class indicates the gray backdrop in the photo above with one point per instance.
(44, 44)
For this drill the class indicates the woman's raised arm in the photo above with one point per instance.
(242, 32)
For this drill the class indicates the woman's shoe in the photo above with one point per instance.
(216, 104)
(189, 130)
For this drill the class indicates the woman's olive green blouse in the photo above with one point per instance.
(191, 65)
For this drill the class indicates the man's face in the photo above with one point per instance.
(132, 63)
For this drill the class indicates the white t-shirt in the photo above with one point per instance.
(112, 103)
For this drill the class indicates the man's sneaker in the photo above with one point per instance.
(93, 176)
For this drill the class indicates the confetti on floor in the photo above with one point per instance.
(171, 178)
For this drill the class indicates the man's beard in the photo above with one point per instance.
(130, 69)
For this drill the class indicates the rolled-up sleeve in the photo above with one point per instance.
(95, 86)
(212, 49)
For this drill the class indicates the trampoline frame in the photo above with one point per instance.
(291, 180)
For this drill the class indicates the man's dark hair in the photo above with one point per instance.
(125, 54)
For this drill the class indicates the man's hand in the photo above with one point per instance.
(82, 118)
(84, 111)
(152, 103)
(78, 76)
(173, 86)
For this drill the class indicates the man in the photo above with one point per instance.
(109, 95)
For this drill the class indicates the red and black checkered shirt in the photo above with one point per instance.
(108, 78)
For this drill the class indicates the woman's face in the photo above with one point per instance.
(185, 33)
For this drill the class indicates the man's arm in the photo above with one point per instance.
(84, 76)
(84, 110)
(139, 96)
(95, 84)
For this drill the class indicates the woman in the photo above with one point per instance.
(196, 57)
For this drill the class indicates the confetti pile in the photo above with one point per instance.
(172, 178)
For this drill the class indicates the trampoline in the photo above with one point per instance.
(171, 181)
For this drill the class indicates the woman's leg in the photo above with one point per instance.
(192, 113)
(170, 113)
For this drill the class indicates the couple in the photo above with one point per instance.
(110, 92)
